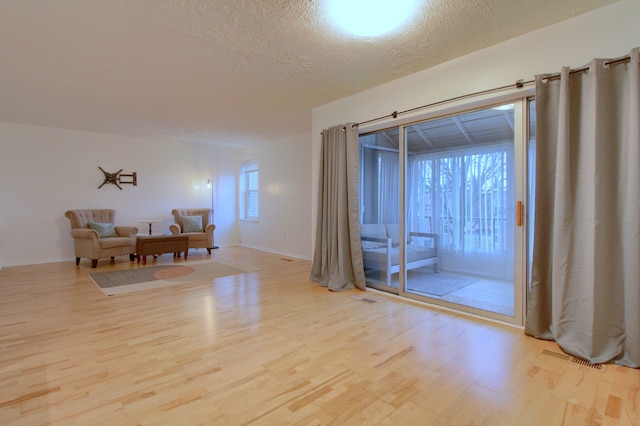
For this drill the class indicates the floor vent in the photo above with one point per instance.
(573, 360)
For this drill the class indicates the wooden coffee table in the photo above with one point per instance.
(147, 245)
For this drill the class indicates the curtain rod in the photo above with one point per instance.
(518, 84)
(557, 75)
(585, 69)
(626, 58)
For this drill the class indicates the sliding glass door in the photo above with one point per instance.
(441, 217)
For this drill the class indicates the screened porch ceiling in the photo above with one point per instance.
(472, 129)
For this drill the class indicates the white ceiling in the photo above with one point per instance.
(223, 72)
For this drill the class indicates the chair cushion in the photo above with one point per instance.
(421, 252)
(373, 230)
(108, 243)
(393, 232)
(191, 223)
(196, 236)
(105, 230)
(412, 254)
(370, 245)
(379, 255)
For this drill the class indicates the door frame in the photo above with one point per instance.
(520, 98)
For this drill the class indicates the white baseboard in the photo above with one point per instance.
(278, 252)
(69, 259)
(41, 261)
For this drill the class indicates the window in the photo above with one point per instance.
(249, 199)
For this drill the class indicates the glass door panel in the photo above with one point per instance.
(460, 210)
(380, 208)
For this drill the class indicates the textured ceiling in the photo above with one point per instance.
(226, 73)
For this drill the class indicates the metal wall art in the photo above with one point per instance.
(117, 178)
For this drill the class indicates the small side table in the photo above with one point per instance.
(150, 222)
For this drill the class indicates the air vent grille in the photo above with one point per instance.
(573, 360)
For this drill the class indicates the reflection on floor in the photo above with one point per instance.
(476, 292)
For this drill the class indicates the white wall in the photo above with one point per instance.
(607, 32)
(45, 171)
(285, 197)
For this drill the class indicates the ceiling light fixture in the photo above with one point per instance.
(370, 18)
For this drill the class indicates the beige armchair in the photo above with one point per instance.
(86, 229)
(196, 224)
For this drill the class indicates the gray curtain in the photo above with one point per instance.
(585, 277)
(337, 258)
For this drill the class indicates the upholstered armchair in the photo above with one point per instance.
(95, 235)
(196, 224)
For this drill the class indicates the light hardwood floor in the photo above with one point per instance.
(271, 348)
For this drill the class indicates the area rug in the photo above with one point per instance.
(437, 284)
(429, 283)
(148, 277)
(480, 304)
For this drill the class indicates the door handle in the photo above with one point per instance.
(519, 214)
